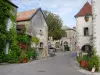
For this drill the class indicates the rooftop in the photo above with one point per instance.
(86, 9)
(25, 15)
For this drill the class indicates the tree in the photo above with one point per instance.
(54, 23)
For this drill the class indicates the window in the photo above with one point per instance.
(86, 31)
(41, 44)
(41, 32)
(8, 25)
(19, 28)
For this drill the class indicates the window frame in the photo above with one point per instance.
(86, 31)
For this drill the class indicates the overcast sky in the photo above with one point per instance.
(66, 9)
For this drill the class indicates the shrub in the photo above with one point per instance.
(91, 52)
(35, 40)
(23, 38)
(67, 48)
(85, 57)
(29, 53)
(35, 54)
(79, 59)
(94, 61)
(3, 57)
(12, 57)
(22, 56)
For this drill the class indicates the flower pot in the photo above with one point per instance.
(83, 63)
(25, 60)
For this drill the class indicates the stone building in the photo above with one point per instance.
(10, 22)
(87, 26)
(84, 28)
(70, 37)
(35, 24)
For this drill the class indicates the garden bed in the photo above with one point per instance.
(89, 62)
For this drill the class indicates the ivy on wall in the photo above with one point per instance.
(11, 35)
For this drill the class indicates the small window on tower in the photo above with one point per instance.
(86, 31)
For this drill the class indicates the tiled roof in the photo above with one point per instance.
(86, 9)
(25, 15)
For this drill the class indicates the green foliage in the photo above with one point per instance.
(35, 54)
(22, 56)
(29, 53)
(3, 57)
(4, 14)
(12, 57)
(92, 52)
(94, 61)
(54, 23)
(79, 59)
(67, 48)
(23, 38)
(11, 35)
(35, 40)
(85, 57)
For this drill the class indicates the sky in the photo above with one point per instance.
(66, 9)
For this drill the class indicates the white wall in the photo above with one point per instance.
(71, 41)
(96, 24)
(80, 24)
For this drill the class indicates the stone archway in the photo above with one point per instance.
(86, 48)
(65, 43)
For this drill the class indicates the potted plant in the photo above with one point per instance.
(25, 60)
(83, 62)
(23, 57)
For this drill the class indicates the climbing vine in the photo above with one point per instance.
(6, 11)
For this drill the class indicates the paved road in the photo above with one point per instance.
(58, 65)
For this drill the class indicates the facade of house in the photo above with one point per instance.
(35, 24)
(96, 24)
(84, 28)
(70, 37)
(10, 22)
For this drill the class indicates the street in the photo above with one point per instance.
(58, 65)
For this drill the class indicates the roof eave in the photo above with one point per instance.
(81, 15)
(12, 3)
(23, 20)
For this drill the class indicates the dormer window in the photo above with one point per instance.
(86, 31)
